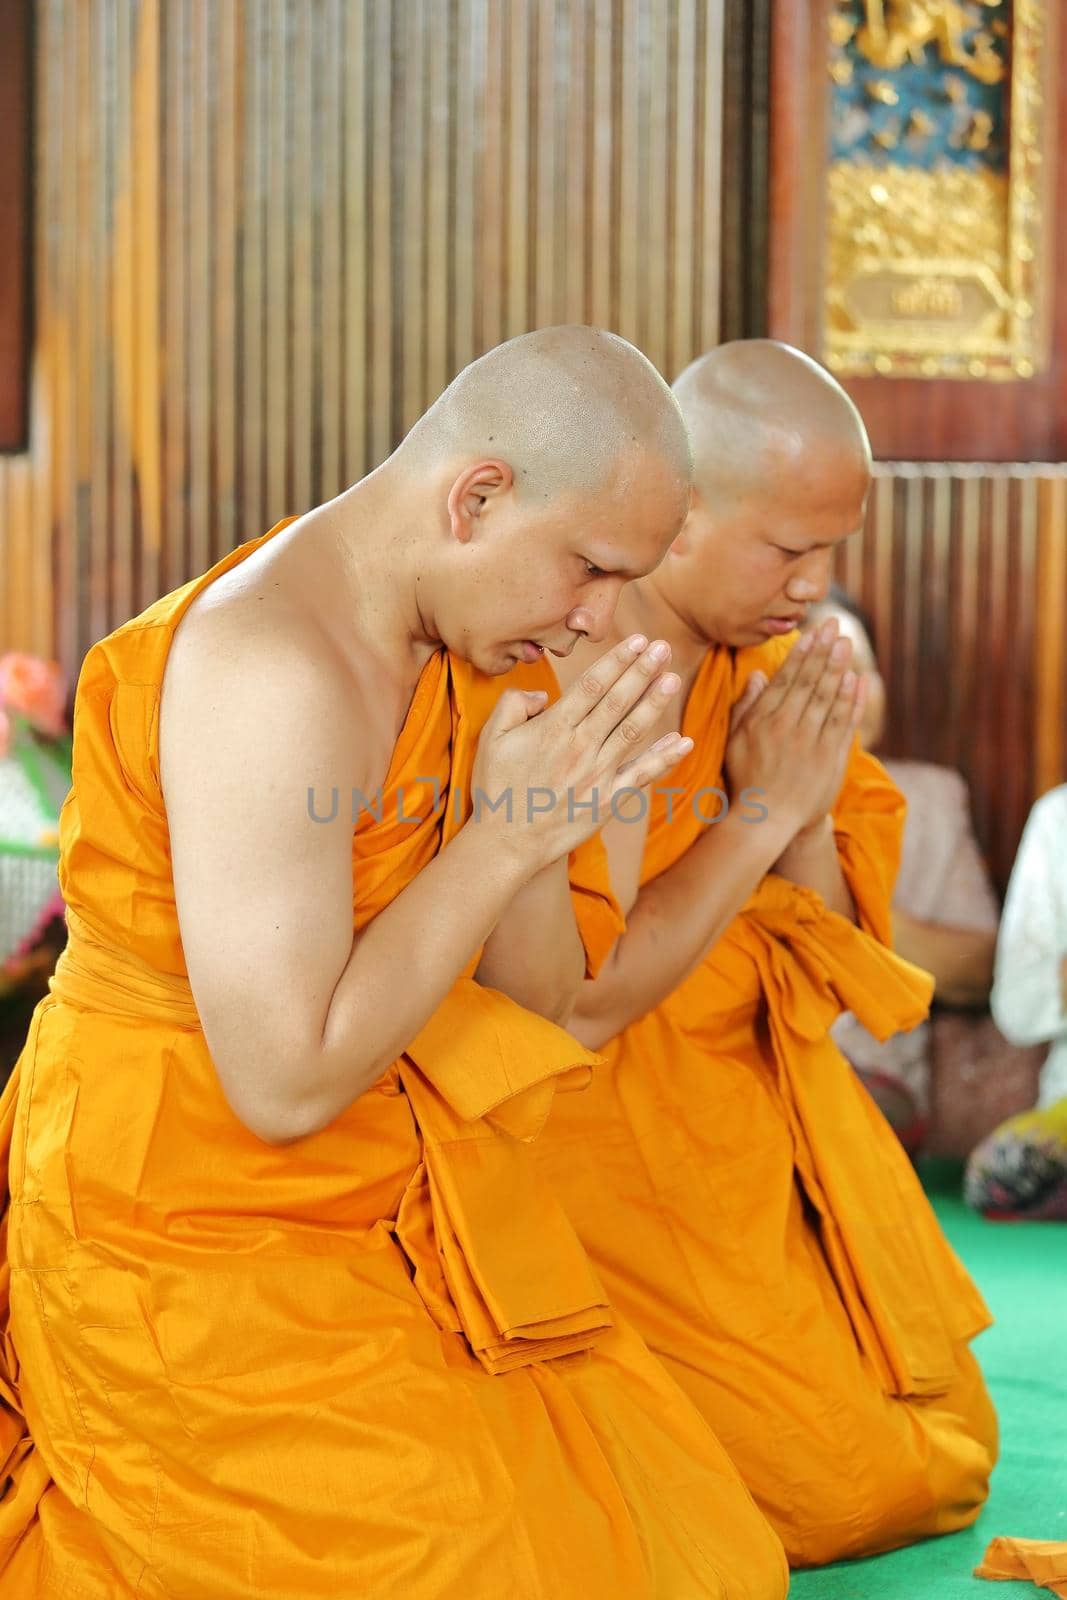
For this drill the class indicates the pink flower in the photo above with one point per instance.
(5, 736)
(36, 689)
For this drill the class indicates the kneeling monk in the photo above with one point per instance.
(747, 1206)
(290, 1314)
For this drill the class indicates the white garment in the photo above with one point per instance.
(1027, 1000)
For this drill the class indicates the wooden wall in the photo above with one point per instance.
(270, 231)
(963, 569)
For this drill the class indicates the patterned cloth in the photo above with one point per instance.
(1020, 1170)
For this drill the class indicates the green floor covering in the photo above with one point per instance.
(1021, 1269)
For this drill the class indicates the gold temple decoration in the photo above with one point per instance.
(937, 222)
(896, 30)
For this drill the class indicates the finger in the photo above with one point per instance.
(638, 722)
(838, 722)
(514, 707)
(791, 695)
(824, 692)
(792, 666)
(589, 689)
(749, 695)
(652, 763)
(859, 703)
(622, 697)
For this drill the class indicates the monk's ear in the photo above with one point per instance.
(476, 488)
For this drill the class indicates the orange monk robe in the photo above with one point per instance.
(751, 1212)
(374, 1363)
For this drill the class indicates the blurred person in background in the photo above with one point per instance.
(934, 1083)
(1020, 1169)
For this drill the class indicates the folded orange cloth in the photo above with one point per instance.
(1043, 1561)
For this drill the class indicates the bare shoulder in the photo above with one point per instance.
(245, 655)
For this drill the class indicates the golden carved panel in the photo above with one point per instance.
(938, 185)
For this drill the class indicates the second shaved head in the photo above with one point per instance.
(781, 471)
(762, 415)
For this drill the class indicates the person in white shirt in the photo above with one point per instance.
(1020, 1169)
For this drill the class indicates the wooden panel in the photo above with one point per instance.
(928, 419)
(963, 570)
(15, 225)
(745, 144)
(269, 232)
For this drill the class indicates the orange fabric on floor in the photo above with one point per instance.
(1043, 1561)
(231, 1369)
(750, 1210)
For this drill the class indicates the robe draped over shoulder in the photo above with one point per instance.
(753, 1214)
(376, 1362)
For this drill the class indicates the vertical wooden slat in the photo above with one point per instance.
(519, 252)
(123, 292)
(252, 289)
(148, 415)
(655, 254)
(711, 170)
(687, 88)
(437, 203)
(494, 167)
(65, 469)
(355, 42)
(470, 71)
(328, 397)
(226, 169)
(99, 335)
(626, 314)
(201, 45)
(575, 113)
(176, 305)
(301, 161)
(1050, 637)
(413, 348)
(279, 281)
(380, 340)
(603, 215)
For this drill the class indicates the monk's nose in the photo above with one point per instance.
(810, 583)
(593, 621)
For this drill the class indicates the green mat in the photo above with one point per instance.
(1021, 1269)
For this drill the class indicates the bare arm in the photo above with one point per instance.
(961, 959)
(300, 1016)
(811, 860)
(535, 954)
(674, 922)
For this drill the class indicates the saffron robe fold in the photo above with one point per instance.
(750, 1210)
(372, 1363)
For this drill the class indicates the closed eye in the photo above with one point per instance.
(593, 570)
(792, 554)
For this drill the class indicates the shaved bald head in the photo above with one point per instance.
(761, 414)
(781, 472)
(565, 407)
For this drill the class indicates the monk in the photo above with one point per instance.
(290, 1311)
(745, 1203)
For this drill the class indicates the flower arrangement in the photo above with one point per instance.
(35, 770)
